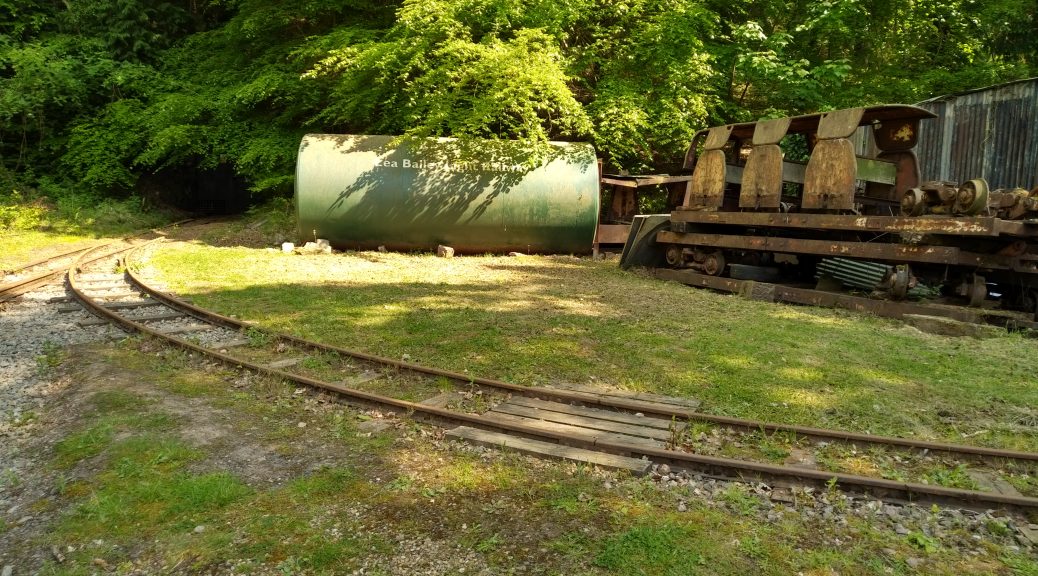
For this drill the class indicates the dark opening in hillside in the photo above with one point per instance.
(215, 191)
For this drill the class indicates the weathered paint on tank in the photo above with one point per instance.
(369, 191)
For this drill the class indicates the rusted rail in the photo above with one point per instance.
(592, 399)
(726, 467)
(16, 288)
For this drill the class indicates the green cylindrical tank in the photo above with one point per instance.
(484, 196)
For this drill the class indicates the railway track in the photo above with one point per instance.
(44, 271)
(619, 431)
(31, 279)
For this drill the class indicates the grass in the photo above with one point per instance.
(538, 320)
(33, 226)
(148, 485)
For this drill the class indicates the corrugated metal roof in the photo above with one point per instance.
(989, 133)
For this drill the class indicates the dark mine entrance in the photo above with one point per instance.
(214, 191)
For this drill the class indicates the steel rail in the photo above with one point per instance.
(595, 400)
(735, 469)
(36, 263)
(16, 288)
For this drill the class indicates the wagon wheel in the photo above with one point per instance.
(714, 263)
(675, 256)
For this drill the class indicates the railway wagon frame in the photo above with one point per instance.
(751, 213)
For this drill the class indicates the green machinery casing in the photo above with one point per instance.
(361, 192)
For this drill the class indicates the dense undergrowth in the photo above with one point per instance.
(96, 96)
(79, 214)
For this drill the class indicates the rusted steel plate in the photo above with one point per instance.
(868, 250)
(829, 179)
(707, 185)
(762, 178)
(896, 135)
(612, 233)
(982, 226)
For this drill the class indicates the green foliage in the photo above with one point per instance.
(93, 95)
(923, 542)
(661, 548)
(957, 477)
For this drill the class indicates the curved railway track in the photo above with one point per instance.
(159, 314)
(55, 267)
(29, 281)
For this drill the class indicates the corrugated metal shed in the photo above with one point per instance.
(991, 133)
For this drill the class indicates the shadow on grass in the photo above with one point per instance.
(740, 358)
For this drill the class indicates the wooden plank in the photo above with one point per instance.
(639, 181)
(442, 400)
(585, 421)
(362, 378)
(229, 344)
(642, 396)
(623, 417)
(993, 483)
(829, 179)
(770, 131)
(762, 178)
(980, 226)
(188, 329)
(839, 123)
(879, 171)
(547, 449)
(869, 250)
(584, 434)
(91, 322)
(285, 363)
(707, 186)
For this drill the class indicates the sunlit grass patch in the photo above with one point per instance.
(656, 548)
(22, 247)
(539, 320)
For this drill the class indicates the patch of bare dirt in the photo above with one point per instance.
(31, 486)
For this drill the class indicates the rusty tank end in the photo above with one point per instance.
(362, 192)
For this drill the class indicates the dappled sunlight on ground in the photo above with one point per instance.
(737, 362)
(538, 320)
(819, 317)
(801, 397)
(801, 373)
(879, 377)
